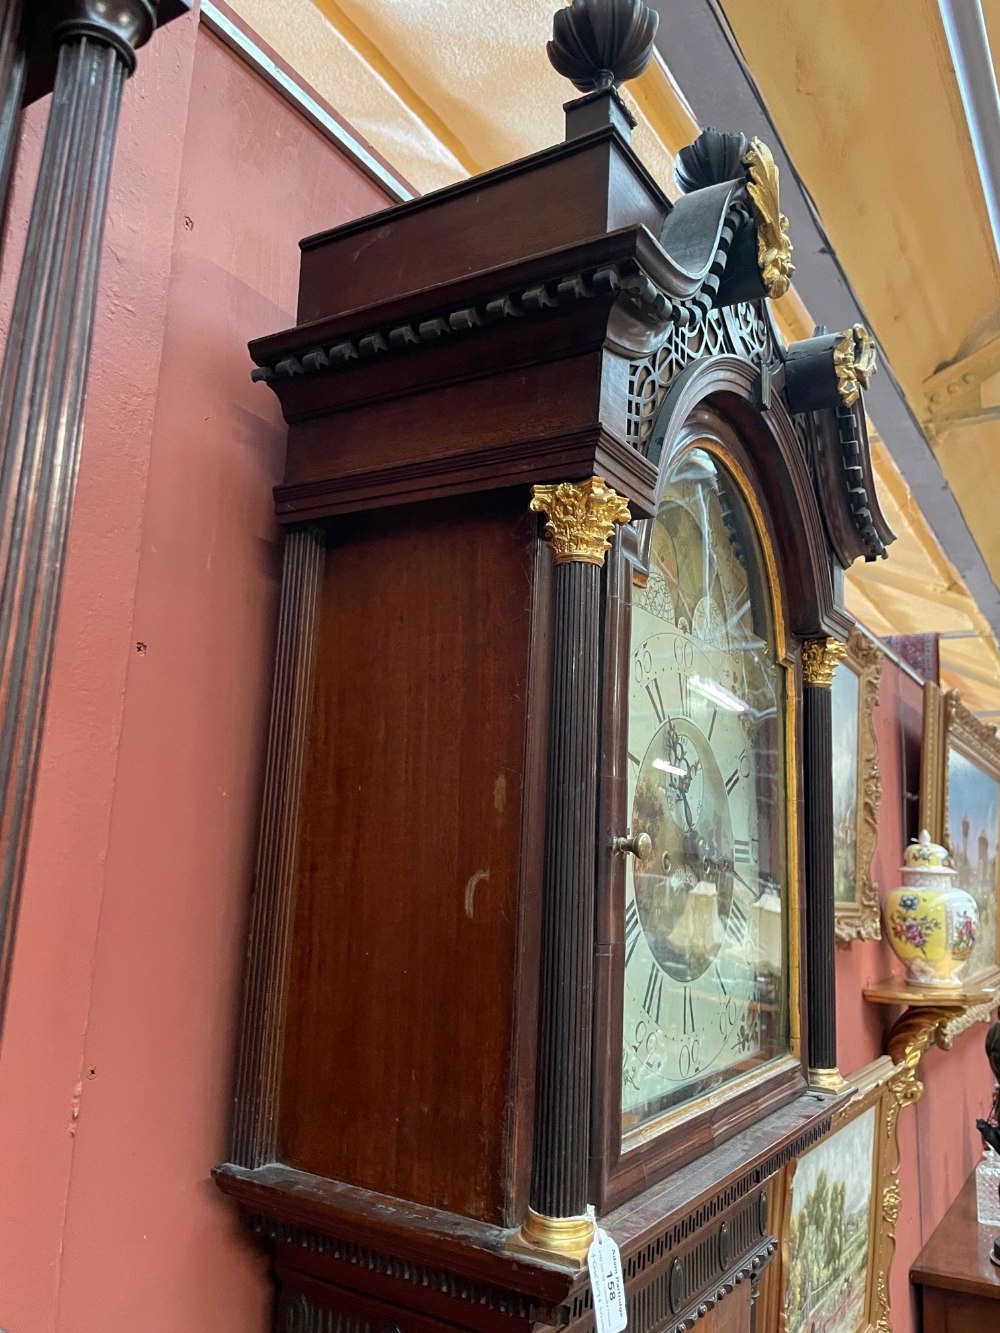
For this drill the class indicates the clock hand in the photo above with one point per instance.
(728, 866)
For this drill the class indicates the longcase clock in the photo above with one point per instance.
(542, 925)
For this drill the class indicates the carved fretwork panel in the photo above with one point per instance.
(648, 379)
(752, 334)
(744, 330)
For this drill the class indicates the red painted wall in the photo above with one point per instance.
(938, 1140)
(116, 1069)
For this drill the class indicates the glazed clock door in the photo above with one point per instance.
(706, 976)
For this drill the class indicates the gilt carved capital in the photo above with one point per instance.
(819, 661)
(580, 518)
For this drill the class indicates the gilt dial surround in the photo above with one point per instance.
(706, 981)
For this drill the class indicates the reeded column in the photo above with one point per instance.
(256, 1118)
(581, 518)
(13, 68)
(42, 387)
(819, 661)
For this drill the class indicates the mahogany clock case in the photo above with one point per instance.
(454, 351)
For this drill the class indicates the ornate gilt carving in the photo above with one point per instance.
(580, 518)
(861, 920)
(917, 1030)
(855, 362)
(819, 661)
(978, 735)
(774, 249)
(911, 1035)
(946, 1032)
(933, 763)
(950, 727)
(885, 1087)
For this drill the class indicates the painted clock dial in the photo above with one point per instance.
(706, 956)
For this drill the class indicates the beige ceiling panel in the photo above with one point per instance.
(354, 86)
(968, 455)
(918, 591)
(483, 68)
(865, 100)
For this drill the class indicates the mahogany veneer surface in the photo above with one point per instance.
(959, 1286)
(401, 1000)
(494, 218)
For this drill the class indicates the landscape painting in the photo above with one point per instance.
(973, 823)
(829, 1232)
(845, 700)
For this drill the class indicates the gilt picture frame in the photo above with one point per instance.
(960, 808)
(837, 1222)
(857, 789)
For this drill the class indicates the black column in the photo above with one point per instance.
(562, 1096)
(42, 387)
(581, 518)
(819, 660)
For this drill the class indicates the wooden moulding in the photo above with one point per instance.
(861, 919)
(708, 1223)
(497, 217)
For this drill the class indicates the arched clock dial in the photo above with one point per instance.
(706, 975)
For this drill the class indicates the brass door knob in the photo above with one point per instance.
(639, 844)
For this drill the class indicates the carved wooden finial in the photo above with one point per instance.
(598, 44)
(714, 157)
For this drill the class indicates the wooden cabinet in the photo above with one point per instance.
(957, 1284)
(490, 394)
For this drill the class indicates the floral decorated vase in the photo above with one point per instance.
(930, 925)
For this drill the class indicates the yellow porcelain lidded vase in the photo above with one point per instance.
(931, 925)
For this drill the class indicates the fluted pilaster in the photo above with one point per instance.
(42, 388)
(255, 1121)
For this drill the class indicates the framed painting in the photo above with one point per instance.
(839, 1211)
(857, 789)
(960, 807)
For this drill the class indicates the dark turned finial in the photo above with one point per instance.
(714, 157)
(598, 44)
